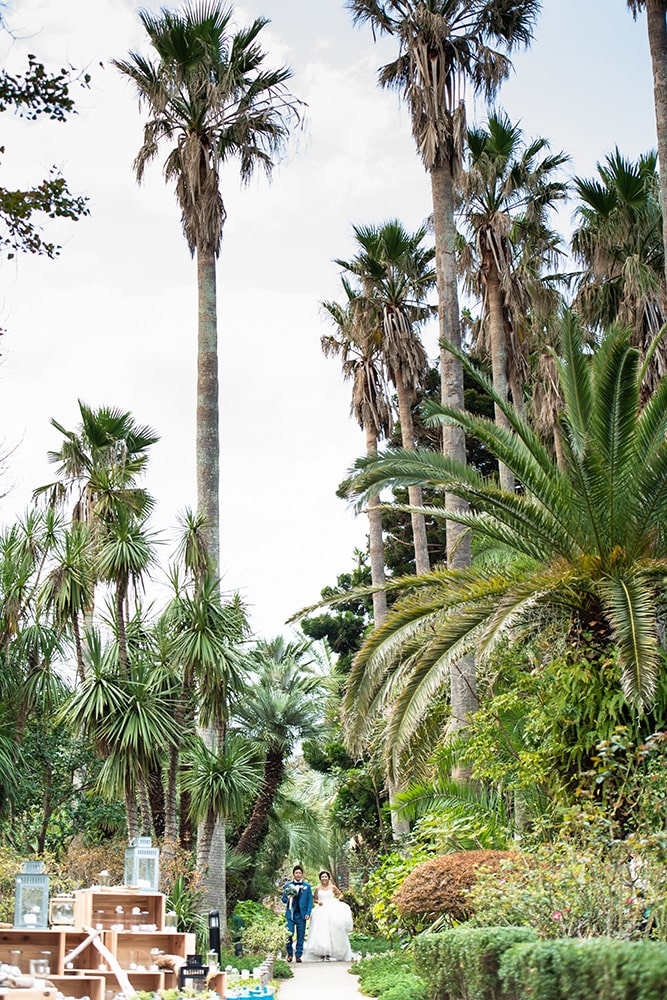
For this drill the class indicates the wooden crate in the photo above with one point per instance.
(149, 981)
(48, 944)
(88, 959)
(139, 949)
(41, 994)
(103, 908)
(80, 986)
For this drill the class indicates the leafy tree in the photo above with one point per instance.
(210, 100)
(32, 94)
(581, 545)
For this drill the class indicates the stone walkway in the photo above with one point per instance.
(320, 981)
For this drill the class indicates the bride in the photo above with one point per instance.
(330, 924)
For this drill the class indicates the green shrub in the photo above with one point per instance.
(379, 973)
(406, 988)
(281, 970)
(367, 945)
(462, 963)
(584, 969)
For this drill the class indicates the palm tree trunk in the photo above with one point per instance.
(204, 839)
(462, 675)
(121, 590)
(251, 838)
(376, 541)
(419, 540)
(498, 356)
(657, 38)
(208, 433)
(131, 812)
(80, 666)
(145, 806)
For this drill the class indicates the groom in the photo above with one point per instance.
(299, 898)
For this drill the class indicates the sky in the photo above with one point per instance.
(112, 321)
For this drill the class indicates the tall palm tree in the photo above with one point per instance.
(357, 342)
(585, 544)
(210, 100)
(444, 45)
(506, 191)
(395, 277)
(656, 17)
(618, 243)
(68, 589)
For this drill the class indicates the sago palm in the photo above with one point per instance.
(210, 100)
(583, 544)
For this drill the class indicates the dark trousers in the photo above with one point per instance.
(296, 925)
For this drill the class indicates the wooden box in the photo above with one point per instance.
(42, 994)
(105, 909)
(89, 959)
(143, 948)
(149, 981)
(19, 946)
(80, 986)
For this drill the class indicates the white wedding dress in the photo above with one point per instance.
(330, 925)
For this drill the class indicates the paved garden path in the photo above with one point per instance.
(320, 981)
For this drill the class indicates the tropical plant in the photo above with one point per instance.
(278, 709)
(506, 192)
(444, 45)
(619, 245)
(394, 272)
(358, 344)
(581, 545)
(210, 100)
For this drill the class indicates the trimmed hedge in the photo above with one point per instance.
(463, 963)
(586, 969)
(510, 963)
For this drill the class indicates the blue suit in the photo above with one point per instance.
(299, 899)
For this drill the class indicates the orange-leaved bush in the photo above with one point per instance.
(439, 886)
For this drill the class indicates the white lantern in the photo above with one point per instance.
(31, 898)
(142, 864)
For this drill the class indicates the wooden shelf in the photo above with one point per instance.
(138, 948)
(48, 944)
(103, 909)
(79, 986)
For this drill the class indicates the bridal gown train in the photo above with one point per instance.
(330, 925)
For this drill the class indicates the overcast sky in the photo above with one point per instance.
(113, 320)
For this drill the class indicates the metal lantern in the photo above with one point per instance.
(142, 864)
(193, 975)
(61, 911)
(31, 899)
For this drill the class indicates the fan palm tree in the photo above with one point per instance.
(506, 191)
(583, 544)
(278, 709)
(657, 37)
(619, 245)
(357, 342)
(444, 45)
(220, 782)
(395, 277)
(210, 100)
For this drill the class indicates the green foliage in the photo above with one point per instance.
(32, 94)
(366, 944)
(580, 970)
(186, 902)
(390, 977)
(262, 930)
(384, 881)
(462, 963)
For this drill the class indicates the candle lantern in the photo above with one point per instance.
(31, 898)
(142, 864)
(61, 911)
(193, 975)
